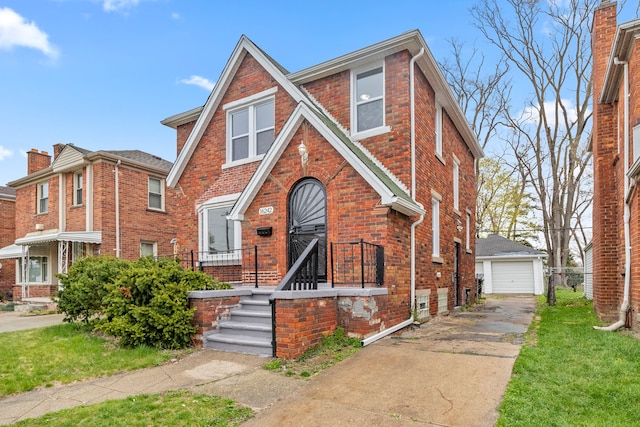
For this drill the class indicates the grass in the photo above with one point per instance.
(174, 408)
(569, 374)
(65, 353)
(331, 350)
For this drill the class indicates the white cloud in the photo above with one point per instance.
(175, 15)
(531, 113)
(5, 153)
(16, 31)
(199, 81)
(118, 5)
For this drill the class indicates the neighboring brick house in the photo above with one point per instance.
(616, 162)
(370, 145)
(7, 236)
(87, 203)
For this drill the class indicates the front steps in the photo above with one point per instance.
(249, 330)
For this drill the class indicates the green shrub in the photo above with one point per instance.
(148, 304)
(85, 286)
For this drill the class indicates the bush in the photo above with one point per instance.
(148, 304)
(85, 286)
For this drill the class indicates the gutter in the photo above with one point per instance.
(117, 185)
(412, 301)
(625, 307)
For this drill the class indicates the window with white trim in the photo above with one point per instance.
(219, 235)
(636, 142)
(250, 130)
(148, 249)
(156, 193)
(468, 232)
(77, 188)
(438, 129)
(435, 226)
(367, 99)
(456, 184)
(43, 197)
(38, 269)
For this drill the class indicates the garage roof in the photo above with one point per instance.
(494, 245)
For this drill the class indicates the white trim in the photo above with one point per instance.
(456, 183)
(251, 99)
(248, 104)
(438, 130)
(358, 135)
(162, 194)
(227, 200)
(244, 47)
(53, 236)
(435, 226)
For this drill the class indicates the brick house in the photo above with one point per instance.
(86, 203)
(7, 236)
(616, 157)
(370, 146)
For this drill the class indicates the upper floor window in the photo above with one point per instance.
(468, 232)
(77, 188)
(456, 184)
(438, 129)
(250, 127)
(367, 101)
(156, 193)
(43, 197)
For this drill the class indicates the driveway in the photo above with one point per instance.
(451, 371)
(14, 321)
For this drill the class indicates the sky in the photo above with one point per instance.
(102, 74)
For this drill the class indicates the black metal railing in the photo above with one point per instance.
(303, 274)
(237, 266)
(357, 264)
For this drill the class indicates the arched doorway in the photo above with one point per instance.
(307, 221)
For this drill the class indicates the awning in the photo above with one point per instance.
(11, 251)
(63, 236)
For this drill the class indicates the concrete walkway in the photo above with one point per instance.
(14, 321)
(451, 371)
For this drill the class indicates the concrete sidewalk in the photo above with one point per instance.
(11, 321)
(450, 371)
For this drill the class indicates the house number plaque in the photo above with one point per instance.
(266, 210)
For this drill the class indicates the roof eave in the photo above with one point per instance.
(622, 43)
(183, 118)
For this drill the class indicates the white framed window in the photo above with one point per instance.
(38, 269)
(77, 188)
(367, 101)
(78, 251)
(219, 236)
(435, 225)
(43, 197)
(636, 142)
(156, 193)
(250, 127)
(456, 184)
(148, 249)
(438, 127)
(467, 244)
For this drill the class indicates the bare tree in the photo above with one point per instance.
(548, 44)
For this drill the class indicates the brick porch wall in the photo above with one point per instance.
(211, 307)
(35, 291)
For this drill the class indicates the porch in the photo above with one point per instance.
(286, 319)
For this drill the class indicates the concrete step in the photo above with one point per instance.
(244, 329)
(237, 344)
(255, 304)
(251, 316)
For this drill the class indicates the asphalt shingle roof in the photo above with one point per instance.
(494, 245)
(7, 191)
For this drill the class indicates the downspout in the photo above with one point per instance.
(117, 184)
(409, 321)
(624, 308)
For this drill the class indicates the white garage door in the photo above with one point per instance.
(515, 277)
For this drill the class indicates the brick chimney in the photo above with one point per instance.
(607, 216)
(57, 149)
(37, 160)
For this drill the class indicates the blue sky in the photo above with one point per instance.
(102, 73)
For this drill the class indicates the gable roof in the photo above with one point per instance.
(7, 193)
(391, 194)
(73, 157)
(498, 246)
(623, 42)
(412, 40)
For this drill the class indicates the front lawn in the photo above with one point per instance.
(64, 353)
(569, 374)
(173, 408)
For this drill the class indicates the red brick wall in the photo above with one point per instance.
(37, 160)
(301, 324)
(363, 316)
(26, 208)
(7, 237)
(35, 291)
(608, 253)
(209, 311)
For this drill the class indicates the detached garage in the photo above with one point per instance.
(507, 267)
